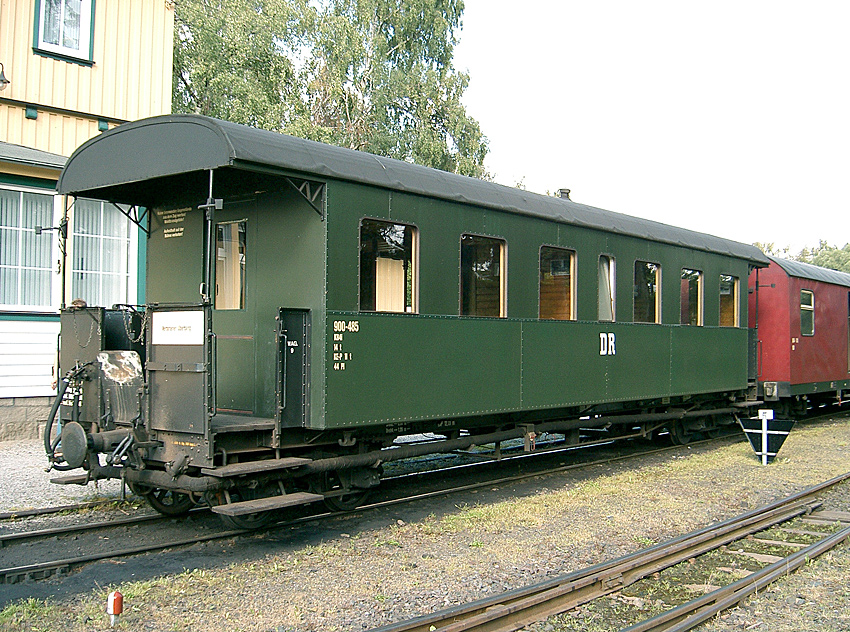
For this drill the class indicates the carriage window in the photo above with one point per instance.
(230, 265)
(728, 301)
(807, 313)
(691, 306)
(482, 282)
(606, 287)
(556, 283)
(647, 280)
(387, 267)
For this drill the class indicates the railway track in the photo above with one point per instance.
(49, 568)
(481, 457)
(59, 567)
(516, 609)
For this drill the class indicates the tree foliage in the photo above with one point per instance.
(827, 256)
(822, 255)
(373, 75)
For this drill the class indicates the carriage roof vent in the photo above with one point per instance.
(564, 194)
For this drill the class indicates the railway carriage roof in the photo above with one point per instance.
(801, 270)
(117, 164)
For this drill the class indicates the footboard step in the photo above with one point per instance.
(252, 467)
(80, 479)
(266, 504)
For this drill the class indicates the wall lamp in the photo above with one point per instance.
(3, 81)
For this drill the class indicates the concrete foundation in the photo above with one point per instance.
(23, 417)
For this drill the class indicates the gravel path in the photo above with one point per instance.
(25, 485)
(371, 569)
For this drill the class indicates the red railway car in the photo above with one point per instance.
(803, 317)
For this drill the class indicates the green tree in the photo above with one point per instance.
(827, 256)
(770, 248)
(374, 75)
(233, 59)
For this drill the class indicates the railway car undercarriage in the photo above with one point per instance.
(246, 468)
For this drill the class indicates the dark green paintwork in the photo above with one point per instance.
(284, 267)
(394, 368)
(435, 364)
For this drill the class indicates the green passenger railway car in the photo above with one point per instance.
(307, 304)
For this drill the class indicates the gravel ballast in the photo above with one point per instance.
(406, 561)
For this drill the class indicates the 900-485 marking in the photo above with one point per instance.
(351, 326)
(339, 327)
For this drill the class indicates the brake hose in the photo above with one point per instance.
(50, 446)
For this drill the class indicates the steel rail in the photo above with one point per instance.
(21, 536)
(42, 511)
(6, 539)
(58, 567)
(47, 569)
(521, 607)
(693, 613)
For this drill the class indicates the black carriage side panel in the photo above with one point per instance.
(178, 357)
(294, 367)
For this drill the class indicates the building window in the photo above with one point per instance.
(64, 27)
(26, 258)
(646, 294)
(807, 312)
(102, 254)
(691, 296)
(607, 285)
(728, 301)
(482, 281)
(230, 246)
(387, 267)
(556, 283)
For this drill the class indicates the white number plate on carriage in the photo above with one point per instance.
(178, 328)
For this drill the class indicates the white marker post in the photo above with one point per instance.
(114, 606)
(765, 414)
(766, 437)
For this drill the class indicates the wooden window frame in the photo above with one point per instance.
(503, 276)
(700, 298)
(570, 287)
(413, 308)
(656, 299)
(611, 281)
(736, 293)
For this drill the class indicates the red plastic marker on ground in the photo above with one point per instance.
(114, 606)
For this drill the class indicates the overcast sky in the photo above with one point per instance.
(726, 117)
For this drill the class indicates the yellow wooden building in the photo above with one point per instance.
(69, 69)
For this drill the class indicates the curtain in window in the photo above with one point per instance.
(62, 23)
(25, 258)
(101, 250)
(606, 288)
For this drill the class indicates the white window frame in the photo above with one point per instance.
(85, 52)
(807, 308)
(55, 279)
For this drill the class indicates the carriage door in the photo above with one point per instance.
(234, 303)
(293, 367)
(178, 355)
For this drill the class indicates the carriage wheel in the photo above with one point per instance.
(247, 521)
(166, 501)
(330, 482)
(680, 435)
